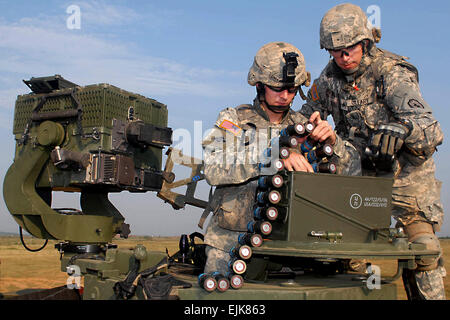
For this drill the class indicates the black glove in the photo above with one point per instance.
(388, 140)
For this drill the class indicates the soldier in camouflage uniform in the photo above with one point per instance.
(232, 151)
(374, 98)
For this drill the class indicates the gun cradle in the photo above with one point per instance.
(92, 140)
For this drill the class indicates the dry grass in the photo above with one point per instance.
(389, 268)
(21, 269)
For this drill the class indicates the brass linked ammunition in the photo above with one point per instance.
(262, 227)
(207, 282)
(278, 165)
(236, 280)
(259, 213)
(254, 240)
(264, 197)
(237, 266)
(320, 152)
(324, 167)
(298, 130)
(287, 141)
(284, 153)
(269, 213)
(309, 127)
(243, 252)
(265, 182)
(223, 283)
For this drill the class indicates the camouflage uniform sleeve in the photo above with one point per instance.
(347, 158)
(405, 101)
(226, 153)
(313, 102)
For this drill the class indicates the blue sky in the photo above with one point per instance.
(194, 56)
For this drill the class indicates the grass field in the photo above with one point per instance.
(21, 270)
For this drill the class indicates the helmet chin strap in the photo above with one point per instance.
(278, 109)
(262, 99)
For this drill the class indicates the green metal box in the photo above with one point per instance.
(94, 109)
(325, 207)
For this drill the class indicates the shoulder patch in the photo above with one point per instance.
(314, 92)
(230, 126)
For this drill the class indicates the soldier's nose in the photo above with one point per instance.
(284, 94)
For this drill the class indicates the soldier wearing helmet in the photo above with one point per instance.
(235, 146)
(374, 98)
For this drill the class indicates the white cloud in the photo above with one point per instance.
(102, 13)
(43, 46)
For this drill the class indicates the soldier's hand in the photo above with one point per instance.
(388, 139)
(297, 162)
(323, 130)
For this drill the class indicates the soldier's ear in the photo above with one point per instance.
(260, 90)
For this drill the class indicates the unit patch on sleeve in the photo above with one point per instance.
(314, 93)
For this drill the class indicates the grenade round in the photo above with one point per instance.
(320, 152)
(207, 282)
(238, 266)
(298, 130)
(273, 197)
(327, 167)
(254, 240)
(276, 213)
(223, 283)
(236, 280)
(278, 165)
(284, 153)
(288, 141)
(244, 252)
(309, 127)
(272, 213)
(324, 151)
(261, 227)
(269, 213)
(266, 182)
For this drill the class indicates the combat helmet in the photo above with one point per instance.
(279, 64)
(345, 25)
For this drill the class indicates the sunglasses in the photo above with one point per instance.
(281, 89)
(346, 51)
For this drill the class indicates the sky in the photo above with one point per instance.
(194, 57)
